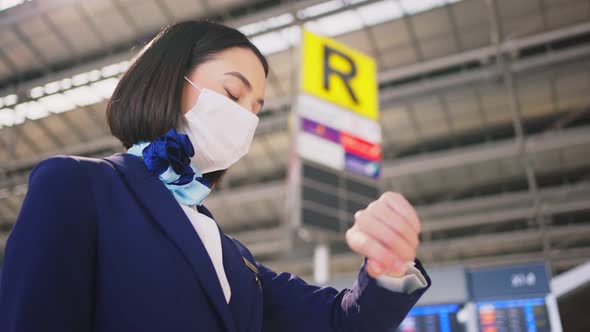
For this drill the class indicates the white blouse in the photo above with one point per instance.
(207, 230)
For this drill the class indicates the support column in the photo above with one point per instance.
(321, 264)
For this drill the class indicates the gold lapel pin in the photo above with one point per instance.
(254, 269)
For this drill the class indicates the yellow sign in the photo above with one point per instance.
(339, 74)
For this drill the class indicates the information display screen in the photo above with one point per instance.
(523, 315)
(329, 199)
(435, 318)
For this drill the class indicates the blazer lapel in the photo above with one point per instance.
(241, 280)
(160, 203)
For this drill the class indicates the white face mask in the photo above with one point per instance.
(220, 130)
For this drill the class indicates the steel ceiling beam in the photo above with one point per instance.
(493, 217)
(55, 139)
(83, 12)
(266, 125)
(501, 201)
(286, 7)
(8, 142)
(454, 28)
(483, 54)
(100, 144)
(247, 195)
(482, 218)
(348, 264)
(165, 10)
(409, 25)
(504, 67)
(277, 123)
(456, 214)
(8, 62)
(502, 241)
(486, 74)
(292, 8)
(73, 51)
(272, 244)
(33, 10)
(484, 152)
(391, 169)
(557, 259)
(21, 136)
(45, 8)
(275, 236)
(129, 20)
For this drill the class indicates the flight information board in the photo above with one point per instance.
(523, 315)
(435, 318)
(329, 199)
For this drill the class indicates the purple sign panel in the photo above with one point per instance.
(362, 166)
(320, 130)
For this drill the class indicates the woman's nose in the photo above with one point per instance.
(249, 105)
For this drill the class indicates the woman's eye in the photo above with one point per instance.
(230, 96)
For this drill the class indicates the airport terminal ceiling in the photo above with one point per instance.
(485, 111)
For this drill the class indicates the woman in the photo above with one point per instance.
(124, 244)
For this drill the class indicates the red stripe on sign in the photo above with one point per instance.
(360, 147)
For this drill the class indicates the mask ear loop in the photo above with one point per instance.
(193, 84)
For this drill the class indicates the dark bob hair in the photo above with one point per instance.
(147, 101)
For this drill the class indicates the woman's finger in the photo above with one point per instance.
(365, 245)
(398, 203)
(377, 230)
(394, 221)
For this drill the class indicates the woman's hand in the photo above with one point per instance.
(386, 232)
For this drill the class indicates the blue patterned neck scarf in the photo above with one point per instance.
(169, 158)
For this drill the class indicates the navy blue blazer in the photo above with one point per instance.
(103, 246)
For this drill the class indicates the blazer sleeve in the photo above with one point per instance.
(46, 283)
(292, 305)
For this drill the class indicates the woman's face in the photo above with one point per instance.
(236, 73)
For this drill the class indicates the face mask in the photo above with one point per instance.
(220, 130)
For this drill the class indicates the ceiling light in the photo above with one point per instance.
(52, 87)
(414, 7)
(57, 103)
(104, 88)
(66, 83)
(124, 65)
(269, 43)
(279, 21)
(82, 96)
(5, 4)
(291, 34)
(110, 70)
(20, 190)
(31, 110)
(251, 29)
(10, 100)
(6, 117)
(338, 24)
(319, 9)
(269, 23)
(94, 75)
(36, 92)
(80, 79)
(379, 12)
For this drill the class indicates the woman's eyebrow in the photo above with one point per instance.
(246, 83)
(241, 77)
